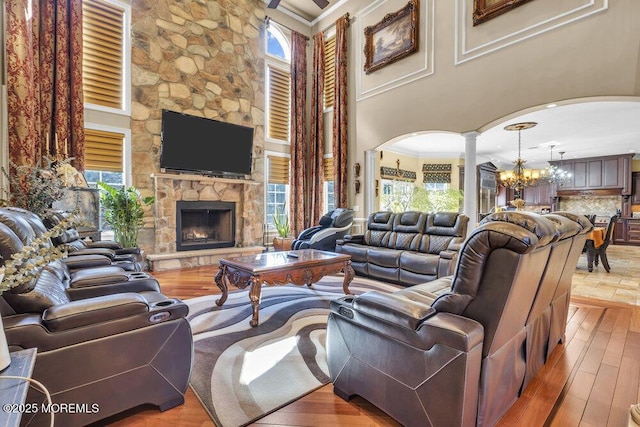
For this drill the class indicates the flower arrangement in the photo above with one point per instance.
(27, 264)
(35, 188)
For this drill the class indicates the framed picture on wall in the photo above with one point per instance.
(483, 10)
(391, 39)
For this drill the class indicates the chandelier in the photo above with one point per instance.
(555, 174)
(518, 178)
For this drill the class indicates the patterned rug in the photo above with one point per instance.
(242, 373)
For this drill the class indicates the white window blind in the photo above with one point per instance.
(329, 70)
(103, 150)
(279, 103)
(102, 62)
(278, 170)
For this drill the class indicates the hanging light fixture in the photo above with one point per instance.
(518, 178)
(555, 174)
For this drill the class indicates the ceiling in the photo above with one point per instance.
(586, 129)
(306, 9)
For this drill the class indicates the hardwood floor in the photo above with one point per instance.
(591, 380)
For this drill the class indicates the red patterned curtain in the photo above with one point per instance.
(44, 80)
(316, 146)
(299, 187)
(340, 122)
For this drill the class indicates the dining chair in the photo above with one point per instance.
(601, 251)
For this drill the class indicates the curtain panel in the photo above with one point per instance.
(299, 155)
(316, 146)
(340, 119)
(44, 81)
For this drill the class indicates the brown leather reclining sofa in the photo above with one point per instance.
(462, 358)
(106, 338)
(406, 248)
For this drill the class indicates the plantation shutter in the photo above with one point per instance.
(278, 170)
(279, 103)
(102, 58)
(103, 150)
(329, 70)
(328, 169)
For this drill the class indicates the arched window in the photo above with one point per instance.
(277, 43)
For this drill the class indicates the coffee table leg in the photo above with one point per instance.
(255, 294)
(221, 281)
(349, 274)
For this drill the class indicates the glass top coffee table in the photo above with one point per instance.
(300, 267)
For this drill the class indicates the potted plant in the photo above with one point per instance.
(281, 221)
(123, 212)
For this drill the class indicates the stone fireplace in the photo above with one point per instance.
(205, 225)
(235, 205)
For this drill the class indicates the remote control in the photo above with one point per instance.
(292, 255)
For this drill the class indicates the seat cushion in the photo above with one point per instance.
(384, 257)
(420, 263)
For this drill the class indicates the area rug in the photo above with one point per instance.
(242, 373)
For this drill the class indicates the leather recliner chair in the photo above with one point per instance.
(459, 359)
(115, 351)
(129, 259)
(83, 275)
(332, 226)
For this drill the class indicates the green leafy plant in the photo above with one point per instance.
(281, 222)
(124, 212)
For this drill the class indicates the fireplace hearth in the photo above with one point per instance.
(205, 225)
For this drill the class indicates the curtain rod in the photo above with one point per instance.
(267, 21)
(333, 24)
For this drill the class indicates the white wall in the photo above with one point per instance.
(464, 77)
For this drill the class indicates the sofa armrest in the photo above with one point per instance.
(109, 280)
(352, 238)
(86, 261)
(397, 322)
(447, 263)
(76, 314)
(94, 251)
(393, 308)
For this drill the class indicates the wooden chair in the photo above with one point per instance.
(601, 251)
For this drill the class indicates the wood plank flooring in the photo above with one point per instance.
(591, 380)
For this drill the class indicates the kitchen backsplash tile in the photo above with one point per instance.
(602, 206)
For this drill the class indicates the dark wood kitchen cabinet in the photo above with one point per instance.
(598, 173)
(627, 232)
(540, 195)
(635, 188)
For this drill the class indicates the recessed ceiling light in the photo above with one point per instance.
(499, 146)
(551, 105)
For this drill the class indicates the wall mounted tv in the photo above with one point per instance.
(205, 146)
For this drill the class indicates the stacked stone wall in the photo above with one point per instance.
(204, 58)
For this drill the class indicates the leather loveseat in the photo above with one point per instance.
(464, 357)
(406, 248)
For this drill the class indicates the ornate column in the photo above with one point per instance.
(470, 207)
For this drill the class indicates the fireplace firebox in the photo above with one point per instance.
(205, 225)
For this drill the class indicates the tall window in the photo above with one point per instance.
(277, 187)
(397, 196)
(105, 59)
(104, 161)
(329, 192)
(278, 84)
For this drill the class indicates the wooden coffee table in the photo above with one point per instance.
(300, 267)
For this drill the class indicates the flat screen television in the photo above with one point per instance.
(205, 146)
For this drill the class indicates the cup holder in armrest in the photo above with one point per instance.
(164, 303)
(138, 275)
